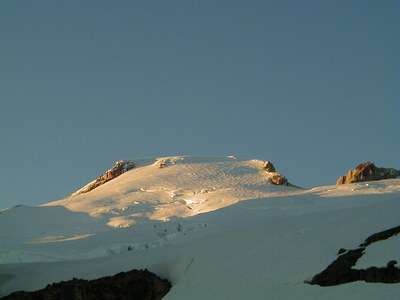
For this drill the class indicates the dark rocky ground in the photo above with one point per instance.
(341, 271)
(133, 285)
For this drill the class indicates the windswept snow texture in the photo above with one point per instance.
(215, 227)
(166, 188)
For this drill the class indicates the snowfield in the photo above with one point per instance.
(215, 227)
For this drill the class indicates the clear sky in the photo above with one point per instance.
(312, 86)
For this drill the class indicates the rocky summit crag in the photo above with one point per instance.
(368, 172)
(118, 169)
(276, 177)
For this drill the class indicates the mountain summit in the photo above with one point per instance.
(181, 186)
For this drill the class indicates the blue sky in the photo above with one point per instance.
(312, 86)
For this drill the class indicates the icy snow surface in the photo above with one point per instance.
(215, 227)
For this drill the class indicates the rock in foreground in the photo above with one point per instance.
(368, 172)
(342, 270)
(135, 284)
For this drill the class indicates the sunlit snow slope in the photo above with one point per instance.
(182, 187)
(188, 222)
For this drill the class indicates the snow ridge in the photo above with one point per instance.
(171, 187)
(217, 228)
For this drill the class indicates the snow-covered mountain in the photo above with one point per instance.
(170, 187)
(217, 228)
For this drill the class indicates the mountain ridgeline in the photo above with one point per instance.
(213, 228)
(123, 166)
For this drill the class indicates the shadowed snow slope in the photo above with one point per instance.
(187, 222)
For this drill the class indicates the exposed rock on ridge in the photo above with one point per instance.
(368, 172)
(275, 177)
(269, 167)
(119, 168)
(135, 284)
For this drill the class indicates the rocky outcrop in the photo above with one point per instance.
(119, 168)
(269, 167)
(368, 172)
(278, 179)
(341, 271)
(136, 284)
(275, 177)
